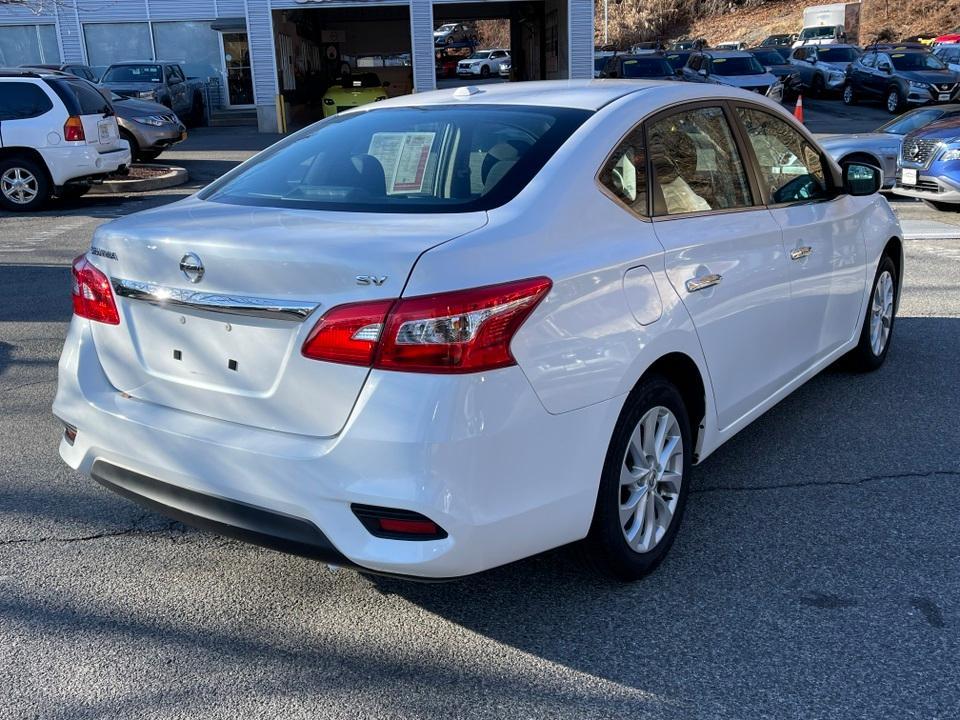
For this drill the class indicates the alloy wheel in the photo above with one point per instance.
(893, 101)
(848, 95)
(650, 479)
(881, 313)
(19, 185)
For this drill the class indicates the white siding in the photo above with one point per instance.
(110, 10)
(421, 42)
(24, 15)
(580, 39)
(71, 38)
(183, 9)
(263, 55)
(230, 8)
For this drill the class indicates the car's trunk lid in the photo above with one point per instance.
(248, 368)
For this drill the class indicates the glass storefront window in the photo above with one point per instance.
(115, 42)
(192, 44)
(19, 45)
(48, 43)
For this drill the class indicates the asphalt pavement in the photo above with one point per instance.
(817, 574)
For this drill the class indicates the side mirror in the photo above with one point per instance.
(861, 179)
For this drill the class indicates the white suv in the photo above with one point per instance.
(58, 135)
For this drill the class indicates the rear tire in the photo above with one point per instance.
(134, 145)
(849, 95)
(643, 486)
(24, 185)
(485, 71)
(877, 331)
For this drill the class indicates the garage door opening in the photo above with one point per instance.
(332, 59)
(489, 42)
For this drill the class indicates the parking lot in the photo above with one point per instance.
(816, 575)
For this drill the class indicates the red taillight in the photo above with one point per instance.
(408, 527)
(92, 296)
(455, 332)
(73, 129)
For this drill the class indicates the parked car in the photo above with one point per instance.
(639, 67)
(690, 44)
(600, 61)
(483, 63)
(882, 146)
(447, 64)
(926, 39)
(950, 56)
(730, 45)
(160, 82)
(58, 136)
(822, 69)
(454, 33)
(81, 71)
(478, 375)
(774, 64)
(677, 59)
(353, 91)
(899, 79)
(779, 40)
(930, 164)
(735, 69)
(951, 37)
(148, 127)
(646, 48)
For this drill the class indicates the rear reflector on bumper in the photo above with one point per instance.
(395, 524)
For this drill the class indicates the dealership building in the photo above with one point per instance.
(250, 53)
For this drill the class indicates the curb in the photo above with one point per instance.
(175, 176)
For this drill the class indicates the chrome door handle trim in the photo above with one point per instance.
(269, 308)
(801, 252)
(703, 282)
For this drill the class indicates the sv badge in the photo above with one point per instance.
(377, 280)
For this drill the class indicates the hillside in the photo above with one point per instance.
(752, 20)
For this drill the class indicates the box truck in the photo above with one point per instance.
(830, 24)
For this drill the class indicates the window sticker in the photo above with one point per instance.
(629, 62)
(404, 159)
(719, 60)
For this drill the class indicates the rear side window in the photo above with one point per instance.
(410, 159)
(625, 173)
(79, 96)
(22, 100)
(696, 164)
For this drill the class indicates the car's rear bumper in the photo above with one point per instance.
(70, 162)
(476, 454)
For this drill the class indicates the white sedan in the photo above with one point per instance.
(459, 328)
(483, 63)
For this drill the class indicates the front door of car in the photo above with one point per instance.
(880, 79)
(861, 74)
(821, 234)
(723, 254)
(178, 87)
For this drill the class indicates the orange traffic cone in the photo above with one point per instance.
(798, 110)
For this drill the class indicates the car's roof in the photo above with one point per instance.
(726, 53)
(138, 62)
(830, 46)
(576, 94)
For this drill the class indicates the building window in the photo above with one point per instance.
(24, 44)
(108, 43)
(194, 44)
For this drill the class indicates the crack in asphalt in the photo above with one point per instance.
(11, 388)
(827, 483)
(134, 527)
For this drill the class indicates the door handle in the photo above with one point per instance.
(703, 282)
(801, 252)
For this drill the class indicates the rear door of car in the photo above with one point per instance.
(724, 254)
(860, 74)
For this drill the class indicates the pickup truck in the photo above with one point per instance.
(161, 82)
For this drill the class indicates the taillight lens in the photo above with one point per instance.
(456, 332)
(73, 129)
(92, 296)
(348, 333)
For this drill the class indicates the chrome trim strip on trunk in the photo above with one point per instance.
(260, 307)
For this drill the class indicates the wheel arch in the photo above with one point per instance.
(682, 372)
(26, 152)
(894, 250)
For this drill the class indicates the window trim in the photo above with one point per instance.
(835, 188)
(756, 198)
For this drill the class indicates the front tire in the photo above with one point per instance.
(643, 486)
(23, 184)
(877, 331)
(818, 88)
(485, 71)
(849, 96)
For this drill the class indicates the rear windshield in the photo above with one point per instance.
(80, 97)
(737, 66)
(133, 73)
(769, 57)
(837, 55)
(646, 67)
(411, 159)
(916, 61)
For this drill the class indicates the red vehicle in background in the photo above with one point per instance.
(447, 63)
(951, 37)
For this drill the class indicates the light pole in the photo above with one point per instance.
(605, 9)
